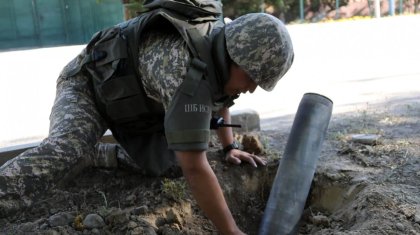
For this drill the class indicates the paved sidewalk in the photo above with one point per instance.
(354, 63)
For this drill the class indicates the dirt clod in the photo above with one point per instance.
(252, 144)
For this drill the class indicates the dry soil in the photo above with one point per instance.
(357, 188)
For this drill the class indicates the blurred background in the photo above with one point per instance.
(42, 23)
(356, 52)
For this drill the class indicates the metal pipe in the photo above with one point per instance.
(297, 167)
(391, 9)
(377, 7)
(337, 9)
(301, 11)
(401, 6)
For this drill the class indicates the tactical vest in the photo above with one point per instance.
(112, 55)
(112, 61)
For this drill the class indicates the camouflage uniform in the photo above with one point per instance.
(76, 125)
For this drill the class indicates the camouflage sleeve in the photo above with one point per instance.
(163, 61)
(187, 121)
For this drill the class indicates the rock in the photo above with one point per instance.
(399, 226)
(139, 210)
(143, 222)
(408, 210)
(117, 217)
(173, 217)
(93, 221)
(160, 221)
(143, 231)
(27, 227)
(369, 139)
(53, 210)
(413, 232)
(43, 226)
(169, 230)
(50, 232)
(130, 198)
(132, 225)
(248, 118)
(417, 216)
(95, 231)
(61, 219)
(320, 220)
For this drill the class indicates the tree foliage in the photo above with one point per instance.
(287, 10)
(132, 7)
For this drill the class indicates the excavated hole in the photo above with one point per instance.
(326, 198)
(247, 192)
(328, 195)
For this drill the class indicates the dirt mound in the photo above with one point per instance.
(357, 188)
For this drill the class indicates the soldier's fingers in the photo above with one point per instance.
(260, 160)
(249, 158)
(233, 160)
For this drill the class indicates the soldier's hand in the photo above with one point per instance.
(237, 156)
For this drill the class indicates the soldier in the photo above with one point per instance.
(256, 51)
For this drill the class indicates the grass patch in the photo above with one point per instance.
(174, 189)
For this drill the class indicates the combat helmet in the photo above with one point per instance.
(260, 44)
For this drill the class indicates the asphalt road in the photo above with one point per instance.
(354, 63)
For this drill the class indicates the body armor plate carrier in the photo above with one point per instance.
(111, 59)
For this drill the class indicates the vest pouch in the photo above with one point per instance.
(119, 93)
(149, 151)
(154, 156)
(107, 57)
(123, 98)
(126, 110)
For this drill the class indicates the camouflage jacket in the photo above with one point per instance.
(172, 85)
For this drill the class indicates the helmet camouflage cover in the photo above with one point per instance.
(260, 44)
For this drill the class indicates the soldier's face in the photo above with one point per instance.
(239, 82)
